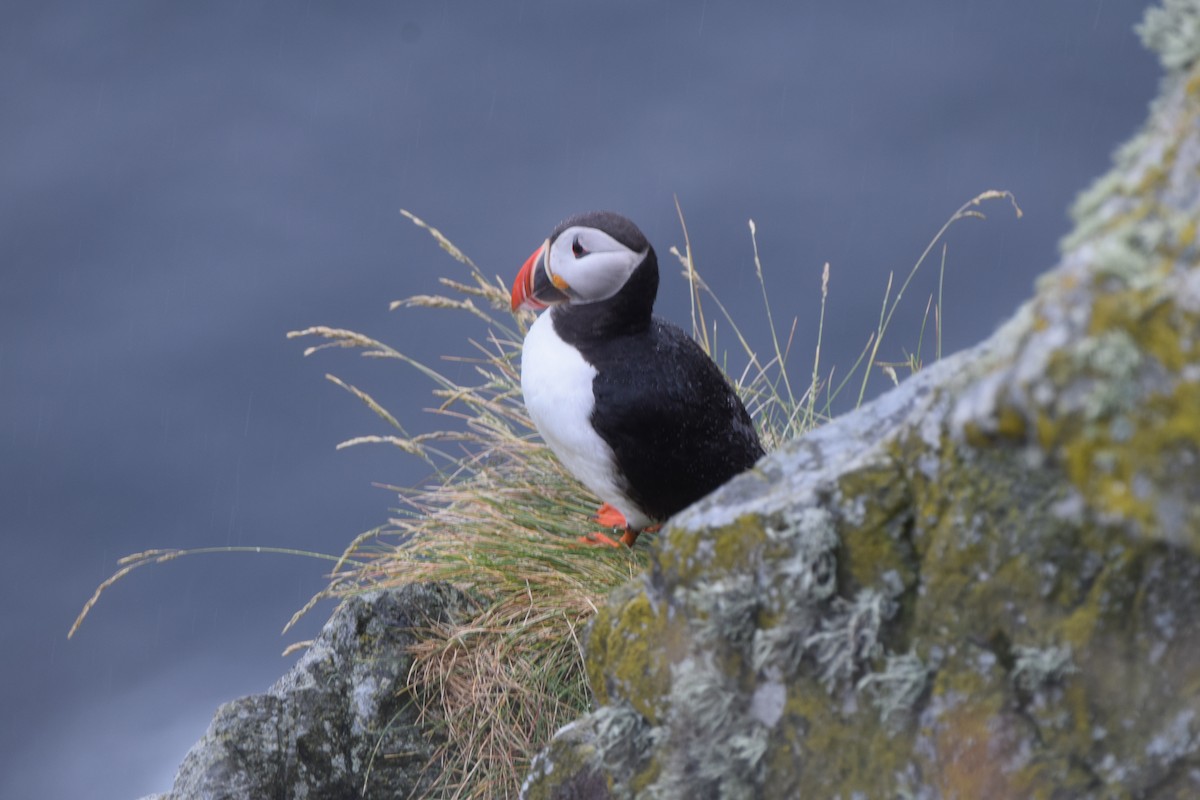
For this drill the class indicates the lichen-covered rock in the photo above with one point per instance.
(338, 724)
(985, 584)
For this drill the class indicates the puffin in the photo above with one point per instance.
(630, 404)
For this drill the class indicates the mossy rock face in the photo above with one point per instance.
(984, 584)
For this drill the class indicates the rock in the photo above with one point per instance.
(984, 584)
(322, 731)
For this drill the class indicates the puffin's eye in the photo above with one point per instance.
(578, 250)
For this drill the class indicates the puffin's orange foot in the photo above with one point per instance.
(600, 538)
(609, 517)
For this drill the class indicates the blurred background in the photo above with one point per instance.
(181, 184)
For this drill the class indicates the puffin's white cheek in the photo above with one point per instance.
(601, 275)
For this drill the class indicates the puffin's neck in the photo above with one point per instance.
(627, 312)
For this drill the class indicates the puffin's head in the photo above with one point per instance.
(587, 258)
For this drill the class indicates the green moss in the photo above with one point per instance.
(1152, 447)
(686, 553)
(1008, 426)
(875, 541)
(628, 653)
(1178, 422)
(1187, 232)
(1153, 322)
(1131, 625)
(840, 755)
(972, 567)
(644, 779)
(1011, 424)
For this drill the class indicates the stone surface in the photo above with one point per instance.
(984, 584)
(338, 725)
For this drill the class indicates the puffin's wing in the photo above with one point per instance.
(677, 428)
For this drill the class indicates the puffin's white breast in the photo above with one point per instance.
(557, 383)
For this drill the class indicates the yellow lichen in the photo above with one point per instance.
(627, 651)
(875, 545)
(1152, 320)
(1187, 234)
(840, 757)
(686, 554)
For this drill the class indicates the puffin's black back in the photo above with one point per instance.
(677, 428)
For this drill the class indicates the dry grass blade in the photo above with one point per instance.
(967, 210)
(131, 562)
(445, 243)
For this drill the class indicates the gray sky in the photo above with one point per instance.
(181, 184)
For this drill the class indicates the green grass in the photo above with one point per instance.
(500, 518)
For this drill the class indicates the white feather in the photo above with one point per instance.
(557, 384)
(600, 272)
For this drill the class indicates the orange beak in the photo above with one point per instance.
(523, 289)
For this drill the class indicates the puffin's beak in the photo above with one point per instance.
(534, 288)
